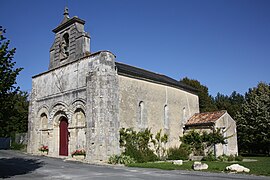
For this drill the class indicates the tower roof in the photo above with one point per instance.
(67, 21)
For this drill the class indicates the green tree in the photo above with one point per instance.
(253, 120)
(230, 103)
(19, 119)
(197, 142)
(237, 100)
(206, 101)
(8, 88)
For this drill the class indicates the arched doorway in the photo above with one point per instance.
(63, 145)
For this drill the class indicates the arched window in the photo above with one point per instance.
(79, 121)
(44, 121)
(79, 117)
(166, 119)
(43, 129)
(184, 115)
(141, 114)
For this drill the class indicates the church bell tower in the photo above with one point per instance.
(71, 41)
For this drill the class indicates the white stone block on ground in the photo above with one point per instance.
(197, 166)
(237, 168)
(178, 162)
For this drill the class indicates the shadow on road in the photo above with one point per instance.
(17, 166)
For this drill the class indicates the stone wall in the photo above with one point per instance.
(102, 109)
(228, 126)
(86, 93)
(56, 93)
(178, 104)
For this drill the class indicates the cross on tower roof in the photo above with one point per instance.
(66, 12)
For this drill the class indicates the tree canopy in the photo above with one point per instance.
(13, 103)
(253, 120)
(230, 103)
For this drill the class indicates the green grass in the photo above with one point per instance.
(259, 167)
(163, 165)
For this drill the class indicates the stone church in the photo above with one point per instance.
(85, 97)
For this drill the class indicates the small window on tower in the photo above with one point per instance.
(64, 46)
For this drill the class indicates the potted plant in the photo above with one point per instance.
(78, 154)
(44, 150)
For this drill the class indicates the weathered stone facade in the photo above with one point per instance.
(96, 96)
(85, 93)
(80, 88)
(156, 99)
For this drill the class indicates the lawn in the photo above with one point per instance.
(259, 167)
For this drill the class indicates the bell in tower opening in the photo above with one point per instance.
(71, 41)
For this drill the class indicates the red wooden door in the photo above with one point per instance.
(63, 148)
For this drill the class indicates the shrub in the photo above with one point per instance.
(177, 153)
(210, 157)
(198, 141)
(120, 159)
(136, 144)
(223, 158)
(17, 146)
(194, 141)
(231, 157)
(113, 159)
(238, 158)
(159, 143)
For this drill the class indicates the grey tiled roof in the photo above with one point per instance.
(139, 73)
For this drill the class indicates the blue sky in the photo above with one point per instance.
(225, 44)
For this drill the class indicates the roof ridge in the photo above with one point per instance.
(148, 74)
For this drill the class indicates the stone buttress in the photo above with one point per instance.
(102, 109)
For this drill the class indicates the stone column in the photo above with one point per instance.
(102, 109)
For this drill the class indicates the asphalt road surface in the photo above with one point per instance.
(16, 165)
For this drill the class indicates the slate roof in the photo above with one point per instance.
(207, 118)
(131, 71)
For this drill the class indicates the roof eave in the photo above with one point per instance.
(200, 124)
(68, 23)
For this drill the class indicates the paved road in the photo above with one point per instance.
(17, 165)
